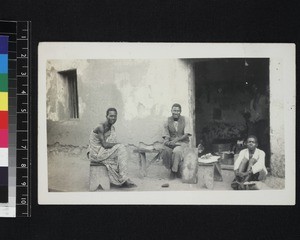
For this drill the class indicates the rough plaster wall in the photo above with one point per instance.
(148, 91)
(277, 120)
(57, 89)
(62, 99)
(142, 91)
(51, 92)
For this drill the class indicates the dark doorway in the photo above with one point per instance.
(225, 102)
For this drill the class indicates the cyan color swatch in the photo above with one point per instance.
(3, 63)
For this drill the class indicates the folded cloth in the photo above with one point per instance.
(212, 159)
(144, 146)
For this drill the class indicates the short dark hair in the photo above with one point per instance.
(176, 105)
(252, 136)
(111, 109)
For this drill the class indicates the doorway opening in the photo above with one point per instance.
(231, 103)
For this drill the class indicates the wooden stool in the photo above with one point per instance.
(99, 176)
(208, 173)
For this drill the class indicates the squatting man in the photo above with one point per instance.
(249, 166)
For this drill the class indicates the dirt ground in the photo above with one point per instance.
(69, 172)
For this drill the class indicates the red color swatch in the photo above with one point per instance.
(3, 120)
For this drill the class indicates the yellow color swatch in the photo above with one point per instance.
(3, 101)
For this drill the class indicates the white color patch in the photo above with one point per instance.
(3, 157)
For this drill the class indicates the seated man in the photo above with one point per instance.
(103, 148)
(176, 133)
(249, 166)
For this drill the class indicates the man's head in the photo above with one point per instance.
(176, 110)
(111, 115)
(251, 142)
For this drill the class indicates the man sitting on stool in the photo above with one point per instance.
(104, 149)
(176, 133)
(249, 166)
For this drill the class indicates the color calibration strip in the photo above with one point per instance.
(8, 31)
(17, 132)
(3, 119)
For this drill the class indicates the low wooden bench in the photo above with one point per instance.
(144, 164)
(99, 176)
(208, 173)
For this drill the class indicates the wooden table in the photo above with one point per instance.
(144, 164)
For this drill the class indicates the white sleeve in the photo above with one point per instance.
(260, 164)
(239, 159)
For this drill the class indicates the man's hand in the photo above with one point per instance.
(244, 174)
(172, 144)
(174, 141)
(241, 174)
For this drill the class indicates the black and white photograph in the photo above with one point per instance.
(166, 123)
(151, 120)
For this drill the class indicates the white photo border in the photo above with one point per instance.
(281, 56)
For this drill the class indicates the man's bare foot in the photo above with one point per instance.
(129, 184)
(172, 175)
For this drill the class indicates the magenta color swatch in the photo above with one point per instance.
(4, 138)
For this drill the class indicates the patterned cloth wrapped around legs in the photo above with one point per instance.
(115, 158)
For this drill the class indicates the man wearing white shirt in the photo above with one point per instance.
(250, 164)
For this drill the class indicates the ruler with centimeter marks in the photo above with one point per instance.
(18, 33)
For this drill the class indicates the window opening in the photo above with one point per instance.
(70, 79)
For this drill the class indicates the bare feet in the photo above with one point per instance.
(129, 184)
(172, 175)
